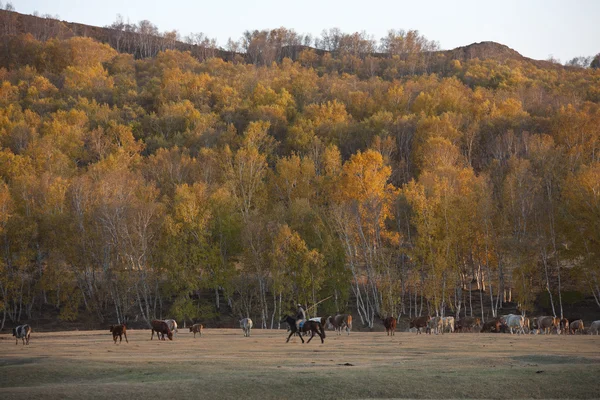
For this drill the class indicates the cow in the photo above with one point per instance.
(172, 325)
(390, 326)
(340, 322)
(492, 326)
(419, 322)
(434, 324)
(448, 324)
(526, 325)
(161, 328)
(246, 325)
(467, 323)
(564, 326)
(546, 324)
(197, 328)
(118, 331)
(594, 328)
(516, 322)
(22, 332)
(576, 326)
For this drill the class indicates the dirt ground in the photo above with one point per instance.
(223, 364)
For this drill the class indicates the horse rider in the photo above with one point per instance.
(300, 317)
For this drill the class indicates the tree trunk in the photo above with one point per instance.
(545, 261)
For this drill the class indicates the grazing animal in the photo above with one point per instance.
(390, 326)
(340, 322)
(576, 326)
(467, 323)
(22, 332)
(492, 326)
(172, 325)
(246, 325)
(197, 328)
(448, 324)
(594, 328)
(564, 326)
(546, 324)
(434, 324)
(419, 322)
(118, 331)
(516, 322)
(308, 326)
(161, 328)
(526, 325)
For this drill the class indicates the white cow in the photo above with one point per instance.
(246, 325)
(172, 324)
(595, 328)
(516, 322)
(448, 324)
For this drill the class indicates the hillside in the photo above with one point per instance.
(13, 23)
(154, 182)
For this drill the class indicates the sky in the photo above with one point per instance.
(535, 28)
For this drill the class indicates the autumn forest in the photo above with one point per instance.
(146, 175)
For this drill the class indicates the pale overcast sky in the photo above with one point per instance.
(535, 28)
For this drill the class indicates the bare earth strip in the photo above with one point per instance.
(223, 364)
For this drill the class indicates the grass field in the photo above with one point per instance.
(223, 364)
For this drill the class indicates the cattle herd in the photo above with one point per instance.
(510, 323)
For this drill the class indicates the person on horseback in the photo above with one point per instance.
(300, 317)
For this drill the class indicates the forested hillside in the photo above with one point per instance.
(387, 179)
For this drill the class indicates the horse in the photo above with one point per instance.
(308, 326)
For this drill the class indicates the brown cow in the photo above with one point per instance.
(420, 322)
(564, 326)
(390, 326)
(119, 331)
(492, 326)
(576, 326)
(467, 323)
(546, 324)
(161, 328)
(197, 328)
(341, 321)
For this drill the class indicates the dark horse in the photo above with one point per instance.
(309, 326)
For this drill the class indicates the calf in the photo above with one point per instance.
(576, 326)
(420, 322)
(22, 332)
(161, 328)
(196, 328)
(119, 331)
(390, 326)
